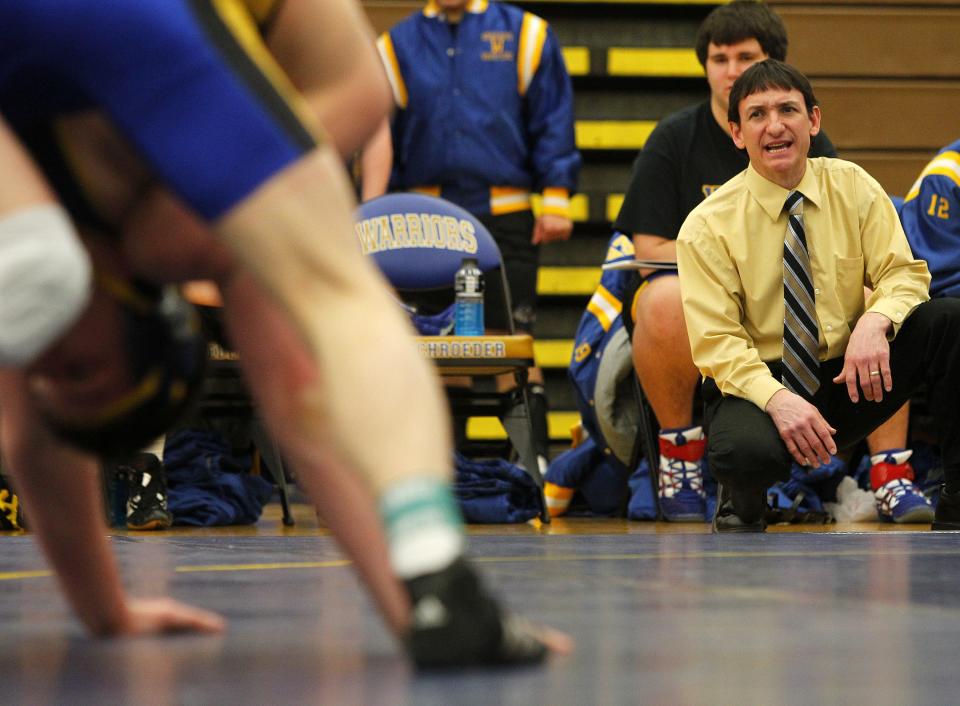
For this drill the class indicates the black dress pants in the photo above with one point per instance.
(746, 451)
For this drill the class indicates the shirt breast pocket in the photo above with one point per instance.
(849, 287)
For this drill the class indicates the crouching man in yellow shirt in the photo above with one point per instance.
(796, 362)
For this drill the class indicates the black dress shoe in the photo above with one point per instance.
(740, 511)
(947, 516)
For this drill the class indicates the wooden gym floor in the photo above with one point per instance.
(662, 614)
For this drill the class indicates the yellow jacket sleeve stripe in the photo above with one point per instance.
(389, 58)
(556, 201)
(945, 164)
(533, 33)
(604, 306)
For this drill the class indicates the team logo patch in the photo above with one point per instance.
(620, 247)
(498, 50)
(582, 351)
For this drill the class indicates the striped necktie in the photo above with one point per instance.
(800, 332)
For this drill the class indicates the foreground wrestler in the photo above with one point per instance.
(241, 154)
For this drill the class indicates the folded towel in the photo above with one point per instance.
(208, 485)
(495, 491)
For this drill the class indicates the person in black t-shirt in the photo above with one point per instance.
(689, 155)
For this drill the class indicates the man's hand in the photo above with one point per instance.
(867, 358)
(550, 228)
(807, 435)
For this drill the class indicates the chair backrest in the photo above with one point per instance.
(420, 241)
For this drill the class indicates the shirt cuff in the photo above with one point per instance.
(556, 201)
(762, 388)
(895, 310)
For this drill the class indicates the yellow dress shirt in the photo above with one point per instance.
(730, 256)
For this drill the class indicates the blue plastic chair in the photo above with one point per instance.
(419, 242)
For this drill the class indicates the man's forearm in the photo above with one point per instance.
(654, 247)
(61, 492)
(376, 161)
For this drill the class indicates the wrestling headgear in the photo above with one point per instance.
(167, 354)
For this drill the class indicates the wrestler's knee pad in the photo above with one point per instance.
(45, 281)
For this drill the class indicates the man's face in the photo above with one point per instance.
(725, 63)
(776, 130)
(86, 368)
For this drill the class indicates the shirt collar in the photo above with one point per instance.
(432, 8)
(771, 197)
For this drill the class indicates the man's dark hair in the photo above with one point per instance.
(763, 76)
(739, 21)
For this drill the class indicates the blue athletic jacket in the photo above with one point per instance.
(484, 109)
(592, 468)
(931, 219)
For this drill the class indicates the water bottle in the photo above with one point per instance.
(468, 302)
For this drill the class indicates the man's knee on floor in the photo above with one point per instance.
(748, 463)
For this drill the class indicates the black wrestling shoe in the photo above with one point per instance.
(147, 502)
(947, 515)
(740, 511)
(456, 623)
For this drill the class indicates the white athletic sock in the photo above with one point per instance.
(424, 526)
(682, 434)
(895, 456)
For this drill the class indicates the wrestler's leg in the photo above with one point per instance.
(287, 381)
(277, 368)
(383, 391)
(295, 234)
(381, 404)
(166, 242)
(338, 69)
